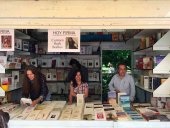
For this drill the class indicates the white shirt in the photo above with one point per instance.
(126, 84)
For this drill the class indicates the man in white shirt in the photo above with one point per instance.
(122, 82)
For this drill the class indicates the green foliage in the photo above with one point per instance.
(115, 57)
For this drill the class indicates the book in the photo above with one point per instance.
(84, 63)
(112, 94)
(99, 114)
(34, 62)
(90, 63)
(18, 44)
(54, 115)
(118, 97)
(124, 101)
(33, 115)
(48, 76)
(80, 99)
(146, 82)
(60, 75)
(97, 63)
(15, 75)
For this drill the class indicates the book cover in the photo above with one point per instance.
(90, 63)
(15, 75)
(124, 101)
(54, 115)
(97, 63)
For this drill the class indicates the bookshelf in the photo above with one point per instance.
(144, 61)
(57, 67)
(163, 67)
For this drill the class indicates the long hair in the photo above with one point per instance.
(71, 43)
(36, 81)
(74, 79)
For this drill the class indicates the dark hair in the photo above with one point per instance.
(74, 61)
(71, 43)
(4, 118)
(74, 80)
(121, 64)
(36, 81)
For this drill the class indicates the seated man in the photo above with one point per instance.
(122, 82)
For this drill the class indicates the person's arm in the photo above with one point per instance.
(111, 84)
(71, 94)
(132, 89)
(86, 91)
(43, 92)
(38, 100)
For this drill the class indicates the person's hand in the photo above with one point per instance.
(69, 103)
(117, 91)
(34, 103)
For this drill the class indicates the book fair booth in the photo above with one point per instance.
(42, 39)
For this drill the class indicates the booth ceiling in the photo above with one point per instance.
(85, 14)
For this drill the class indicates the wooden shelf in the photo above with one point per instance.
(24, 53)
(142, 69)
(21, 35)
(68, 68)
(62, 81)
(70, 54)
(163, 43)
(148, 90)
(146, 32)
(144, 49)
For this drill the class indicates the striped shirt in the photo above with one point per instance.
(80, 89)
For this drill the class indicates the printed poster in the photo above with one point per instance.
(63, 40)
(6, 39)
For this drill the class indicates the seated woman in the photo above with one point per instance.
(34, 85)
(78, 86)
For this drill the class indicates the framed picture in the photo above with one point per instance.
(7, 40)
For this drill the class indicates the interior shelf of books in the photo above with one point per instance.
(147, 61)
(56, 68)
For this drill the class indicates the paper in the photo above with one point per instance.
(33, 115)
(63, 40)
(26, 101)
(6, 39)
(2, 69)
(54, 115)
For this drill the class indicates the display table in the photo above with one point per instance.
(85, 124)
(59, 124)
(40, 117)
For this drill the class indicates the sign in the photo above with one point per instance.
(63, 40)
(6, 39)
